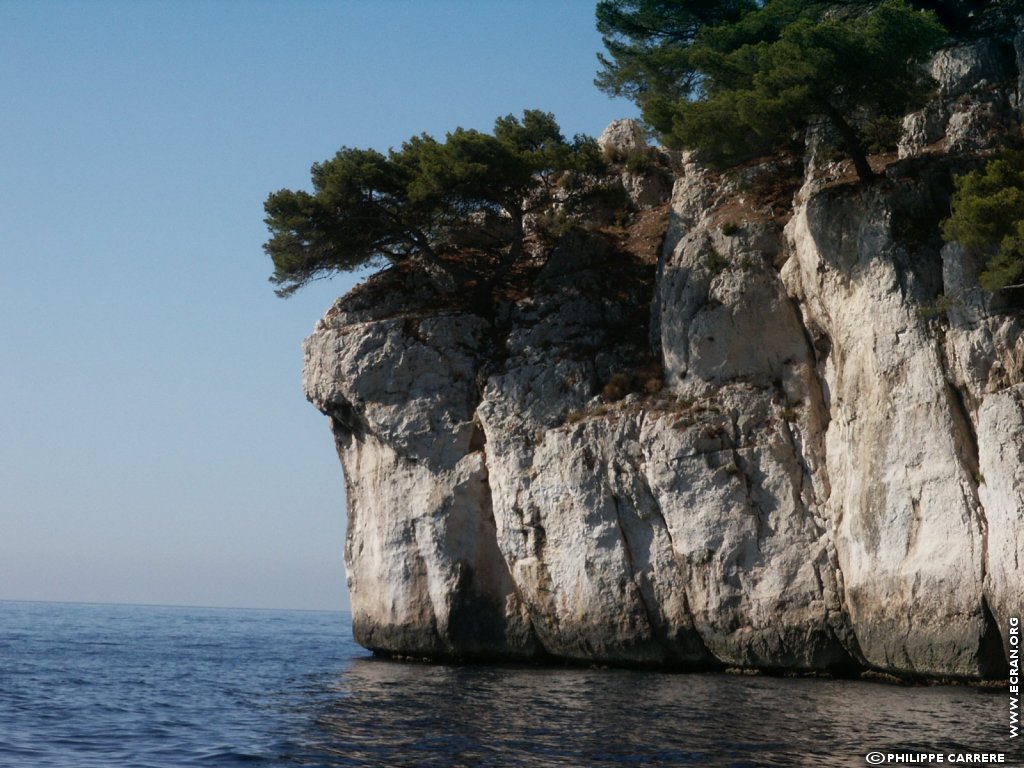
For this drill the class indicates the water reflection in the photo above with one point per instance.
(389, 713)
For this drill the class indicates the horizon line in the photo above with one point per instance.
(174, 605)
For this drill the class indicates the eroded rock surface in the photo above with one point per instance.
(790, 439)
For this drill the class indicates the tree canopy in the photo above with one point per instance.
(988, 219)
(737, 78)
(369, 208)
(648, 43)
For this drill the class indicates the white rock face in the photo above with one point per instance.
(623, 136)
(977, 89)
(645, 186)
(1001, 449)
(425, 575)
(903, 496)
(778, 449)
(971, 66)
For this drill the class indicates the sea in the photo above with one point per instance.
(85, 686)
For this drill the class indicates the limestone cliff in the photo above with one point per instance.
(788, 435)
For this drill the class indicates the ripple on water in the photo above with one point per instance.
(102, 686)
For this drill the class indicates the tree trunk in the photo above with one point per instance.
(450, 276)
(853, 146)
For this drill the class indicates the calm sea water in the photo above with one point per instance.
(98, 685)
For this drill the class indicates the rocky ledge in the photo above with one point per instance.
(771, 423)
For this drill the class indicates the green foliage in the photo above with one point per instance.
(940, 307)
(748, 77)
(637, 160)
(780, 66)
(882, 134)
(715, 261)
(308, 236)
(368, 208)
(988, 219)
(642, 160)
(648, 43)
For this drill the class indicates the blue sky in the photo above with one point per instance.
(155, 444)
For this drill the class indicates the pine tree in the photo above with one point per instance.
(368, 209)
(744, 85)
(988, 219)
